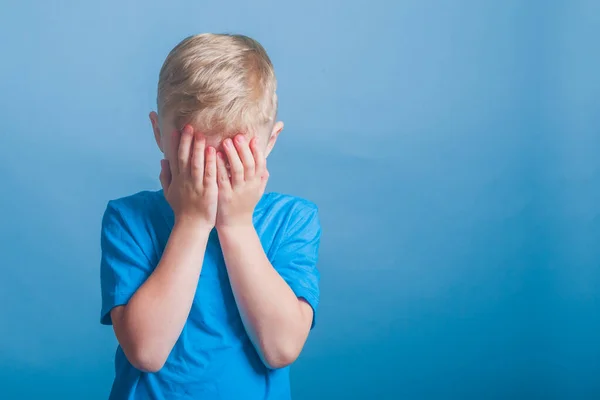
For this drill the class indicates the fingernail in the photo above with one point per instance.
(227, 142)
(240, 138)
(219, 154)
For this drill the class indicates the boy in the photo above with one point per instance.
(211, 286)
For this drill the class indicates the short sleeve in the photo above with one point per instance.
(296, 257)
(123, 267)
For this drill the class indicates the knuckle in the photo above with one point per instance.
(211, 191)
(226, 196)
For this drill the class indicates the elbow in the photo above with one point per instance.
(149, 365)
(146, 359)
(147, 353)
(280, 356)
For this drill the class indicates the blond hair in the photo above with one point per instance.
(219, 83)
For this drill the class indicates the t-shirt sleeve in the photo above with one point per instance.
(124, 267)
(297, 256)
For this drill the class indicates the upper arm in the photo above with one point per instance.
(296, 259)
(124, 266)
(307, 313)
(116, 316)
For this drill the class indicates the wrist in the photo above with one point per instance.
(237, 229)
(192, 224)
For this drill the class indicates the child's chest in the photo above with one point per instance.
(214, 305)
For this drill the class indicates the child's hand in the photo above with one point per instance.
(189, 181)
(239, 194)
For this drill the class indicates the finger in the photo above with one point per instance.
(172, 156)
(259, 158)
(199, 147)
(264, 179)
(222, 173)
(185, 144)
(210, 168)
(165, 174)
(235, 164)
(243, 149)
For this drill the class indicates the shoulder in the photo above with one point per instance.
(295, 213)
(131, 224)
(133, 210)
(137, 203)
(286, 204)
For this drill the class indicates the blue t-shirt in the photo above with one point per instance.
(213, 358)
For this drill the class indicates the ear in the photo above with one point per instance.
(277, 128)
(156, 129)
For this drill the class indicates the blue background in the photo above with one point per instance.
(451, 145)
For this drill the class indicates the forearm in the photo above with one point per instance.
(153, 319)
(276, 321)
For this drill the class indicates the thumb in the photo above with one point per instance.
(165, 174)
